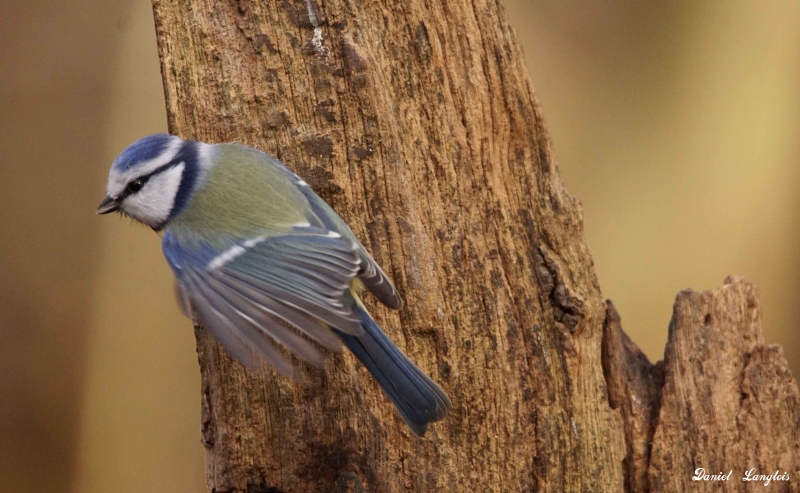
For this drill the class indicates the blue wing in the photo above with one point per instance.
(369, 272)
(266, 291)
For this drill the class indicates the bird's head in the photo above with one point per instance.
(152, 179)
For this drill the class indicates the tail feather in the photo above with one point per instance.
(418, 399)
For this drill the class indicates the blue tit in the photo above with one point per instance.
(264, 262)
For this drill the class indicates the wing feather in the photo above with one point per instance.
(333, 313)
(370, 273)
(378, 284)
(292, 315)
(270, 290)
(267, 320)
(233, 333)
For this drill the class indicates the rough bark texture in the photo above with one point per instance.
(634, 389)
(417, 121)
(721, 400)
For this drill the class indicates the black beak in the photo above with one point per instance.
(109, 204)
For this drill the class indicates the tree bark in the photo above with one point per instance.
(418, 123)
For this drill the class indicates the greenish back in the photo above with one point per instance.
(246, 193)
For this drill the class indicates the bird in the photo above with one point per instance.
(264, 263)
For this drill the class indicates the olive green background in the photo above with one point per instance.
(676, 123)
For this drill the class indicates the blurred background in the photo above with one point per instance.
(676, 123)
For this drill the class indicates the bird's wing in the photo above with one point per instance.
(257, 292)
(370, 273)
(323, 216)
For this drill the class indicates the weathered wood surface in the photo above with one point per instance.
(721, 400)
(417, 121)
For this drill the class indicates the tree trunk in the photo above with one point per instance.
(417, 122)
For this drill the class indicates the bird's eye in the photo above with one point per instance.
(135, 186)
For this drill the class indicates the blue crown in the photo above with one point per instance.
(143, 149)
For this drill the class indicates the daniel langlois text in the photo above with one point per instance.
(700, 474)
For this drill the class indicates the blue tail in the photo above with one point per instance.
(418, 399)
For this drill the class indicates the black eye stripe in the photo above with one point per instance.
(144, 178)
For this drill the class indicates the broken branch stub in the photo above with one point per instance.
(721, 400)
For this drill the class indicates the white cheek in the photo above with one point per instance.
(153, 203)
